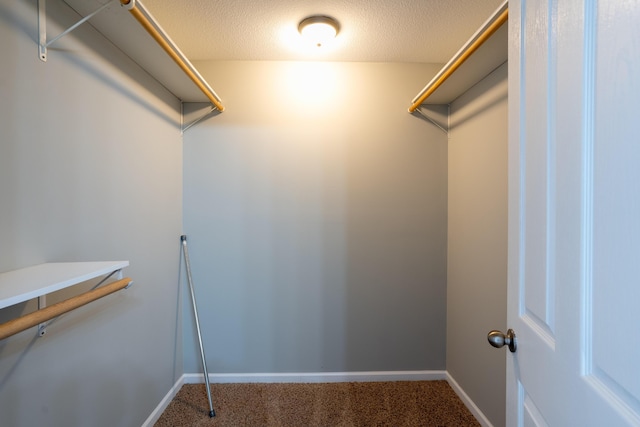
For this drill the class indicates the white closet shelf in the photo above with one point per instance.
(487, 58)
(485, 51)
(122, 29)
(32, 282)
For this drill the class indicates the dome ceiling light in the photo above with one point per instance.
(319, 29)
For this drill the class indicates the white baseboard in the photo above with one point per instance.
(318, 377)
(155, 415)
(482, 419)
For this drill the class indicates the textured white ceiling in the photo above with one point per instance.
(428, 31)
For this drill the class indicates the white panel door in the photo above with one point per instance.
(574, 213)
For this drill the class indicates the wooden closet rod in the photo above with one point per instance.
(153, 28)
(490, 27)
(27, 321)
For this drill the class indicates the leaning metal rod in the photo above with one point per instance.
(457, 61)
(153, 28)
(27, 321)
(185, 252)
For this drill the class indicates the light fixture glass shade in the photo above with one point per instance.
(319, 29)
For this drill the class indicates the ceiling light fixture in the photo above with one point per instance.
(319, 29)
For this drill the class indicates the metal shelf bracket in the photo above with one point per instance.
(419, 113)
(43, 44)
(42, 327)
(42, 299)
(213, 111)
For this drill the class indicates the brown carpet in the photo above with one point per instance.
(397, 404)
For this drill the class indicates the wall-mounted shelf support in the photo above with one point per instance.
(42, 27)
(42, 327)
(42, 300)
(38, 281)
(199, 119)
(419, 112)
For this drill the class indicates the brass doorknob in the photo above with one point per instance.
(498, 339)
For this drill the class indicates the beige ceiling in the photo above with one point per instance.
(428, 31)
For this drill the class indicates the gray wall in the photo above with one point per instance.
(316, 210)
(477, 254)
(90, 169)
